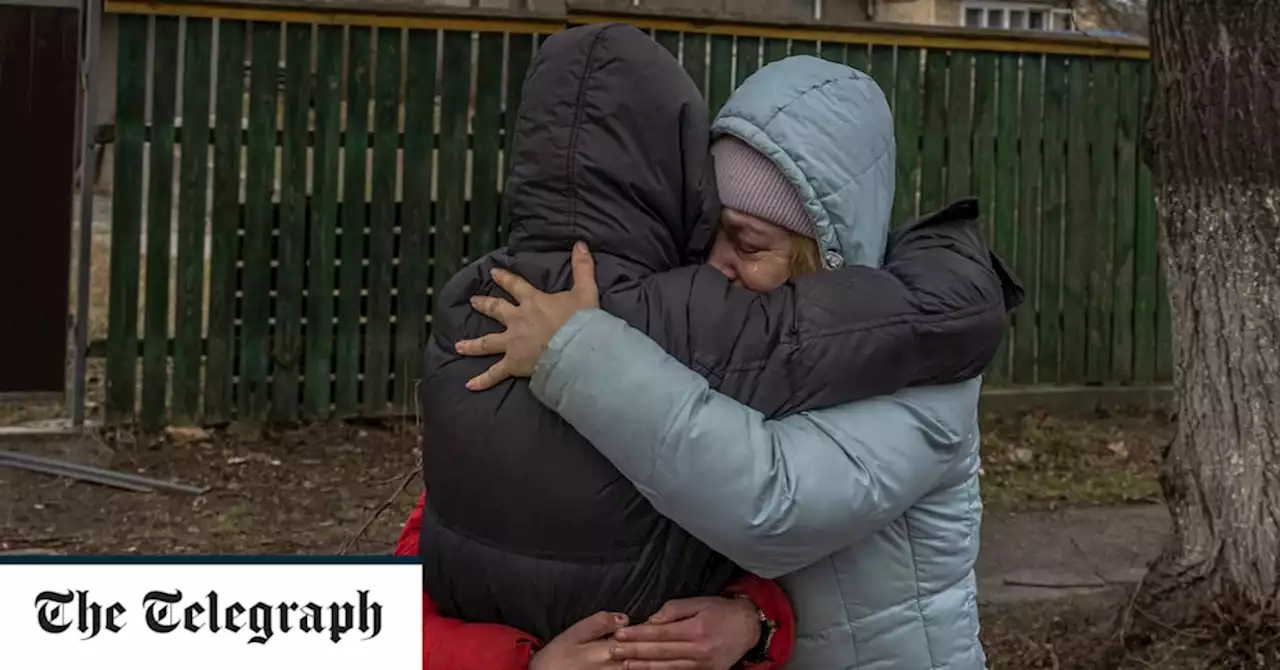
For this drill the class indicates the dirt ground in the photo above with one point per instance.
(307, 491)
(314, 490)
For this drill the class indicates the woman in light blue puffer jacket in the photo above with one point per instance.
(869, 513)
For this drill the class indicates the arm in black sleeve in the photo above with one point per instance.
(933, 314)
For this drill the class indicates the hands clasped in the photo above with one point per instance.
(692, 634)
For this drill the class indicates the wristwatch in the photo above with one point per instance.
(760, 652)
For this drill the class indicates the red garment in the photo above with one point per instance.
(450, 644)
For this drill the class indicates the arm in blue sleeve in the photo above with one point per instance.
(772, 495)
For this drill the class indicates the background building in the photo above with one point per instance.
(1051, 15)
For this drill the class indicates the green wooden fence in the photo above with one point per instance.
(331, 174)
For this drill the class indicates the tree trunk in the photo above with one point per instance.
(1213, 141)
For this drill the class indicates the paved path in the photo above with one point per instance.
(1044, 555)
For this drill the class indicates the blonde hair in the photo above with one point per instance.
(806, 258)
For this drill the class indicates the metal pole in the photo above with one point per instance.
(88, 175)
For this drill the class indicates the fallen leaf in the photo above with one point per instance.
(1023, 455)
(1119, 448)
(187, 434)
(252, 457)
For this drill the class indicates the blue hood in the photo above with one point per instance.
(829, 129)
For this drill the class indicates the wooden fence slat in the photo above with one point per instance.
(321, 256)
(352, 219)
(907, 117)
(858, 57)
(260, 173)
(519, 56)
(192, 200)
(224, 243)
(985, 117)
(1126, 184)
(721, 71)
(1146, 267)
(1077, 255)
(833, 51)
(382, 221)
(804, 48)
(484, 152)
(1006, 202)
(669, 40)
(1027, 233)
(287, 348)
(1102, 136)
(960, 161)
(748, 59)
(933, 159)
(416, 214)
(454, 103)
(883, 66)
(1048, 370)
(164, 98)
(775, 49)
(694, 58)
(126, 221)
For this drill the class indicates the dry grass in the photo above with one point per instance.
(1039, 461)
(1085, 634)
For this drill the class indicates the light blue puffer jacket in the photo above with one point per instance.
(868, 512)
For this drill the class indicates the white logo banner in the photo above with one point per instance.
(254, 612)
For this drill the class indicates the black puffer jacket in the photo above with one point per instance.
(526, 524)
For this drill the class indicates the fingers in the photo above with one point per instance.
(485, 345)
(495, 308)
(681, 631)
(514, 284)
(675, 610)
(658, 651)
(683, 664)
(496, 374)
(584, 272)
(594, 627)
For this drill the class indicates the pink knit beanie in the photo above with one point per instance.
(751, 183)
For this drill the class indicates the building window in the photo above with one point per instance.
(1015, 16)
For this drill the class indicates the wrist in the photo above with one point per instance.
(764, 629)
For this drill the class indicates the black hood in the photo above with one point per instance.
(629, 130)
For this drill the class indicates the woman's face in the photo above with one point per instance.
(752, 252)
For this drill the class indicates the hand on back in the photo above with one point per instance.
(530, 323)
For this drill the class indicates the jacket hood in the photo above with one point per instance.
(611, 147)
(829, 129)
